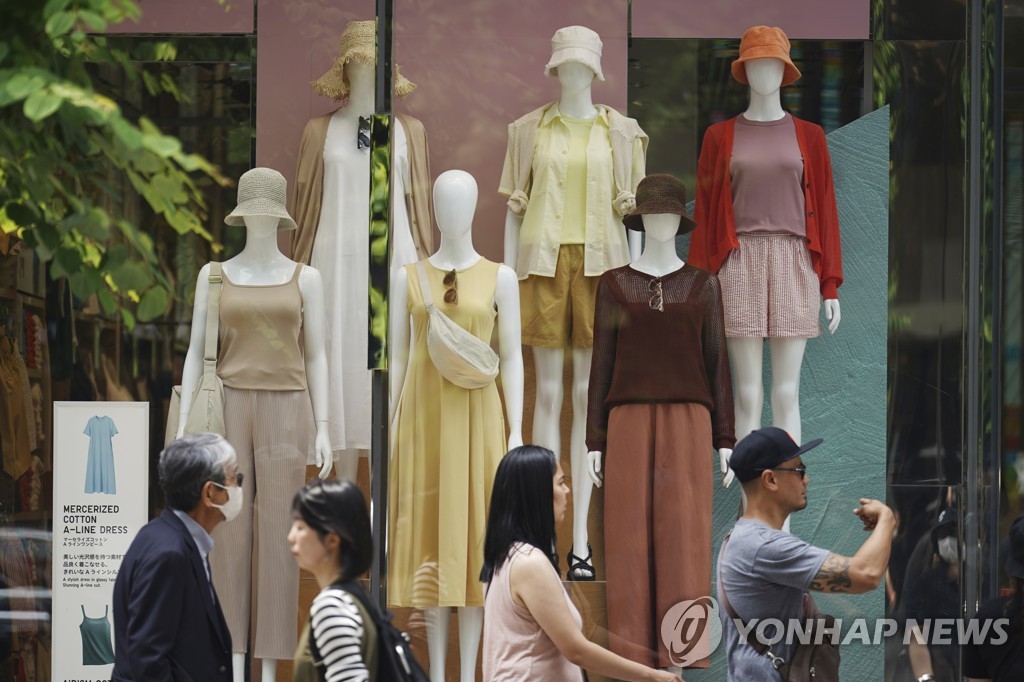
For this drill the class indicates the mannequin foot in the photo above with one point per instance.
(581, 569)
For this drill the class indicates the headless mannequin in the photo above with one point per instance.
(356, 188)
(261, 263)
(746, 354)
(576, 101)
(659, 258)
(455, 196)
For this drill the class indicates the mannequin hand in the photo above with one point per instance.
(515, 439)
(322, 446)
(727, 474)
(594, 467)
(832, 314)
(181, 431)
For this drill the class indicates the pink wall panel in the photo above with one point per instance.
(478, 66)
(834, 19)
(191, 16)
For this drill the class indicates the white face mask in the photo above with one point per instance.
(949, 550)
(233, 506)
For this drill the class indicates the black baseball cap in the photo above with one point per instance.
(763, 449)
(1013, 549)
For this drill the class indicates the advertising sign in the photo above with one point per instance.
(100, 501)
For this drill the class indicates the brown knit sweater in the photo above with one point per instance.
(642, 355)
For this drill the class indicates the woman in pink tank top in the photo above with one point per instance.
(532, 630)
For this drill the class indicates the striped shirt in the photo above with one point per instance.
(338, 629)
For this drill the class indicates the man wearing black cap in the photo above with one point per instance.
(998, 658)
(765, 572)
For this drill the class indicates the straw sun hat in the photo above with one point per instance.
(358, 43)
(261, 192)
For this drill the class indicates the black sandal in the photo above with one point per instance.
(577, 564)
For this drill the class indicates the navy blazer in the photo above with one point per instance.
(167, 625)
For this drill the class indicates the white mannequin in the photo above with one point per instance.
(261, 262)
(576, 101)
(659, 258)
(746, 354)
(455, 196)
(340, 143)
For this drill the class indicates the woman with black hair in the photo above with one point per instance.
(330, 538)
(532, 630)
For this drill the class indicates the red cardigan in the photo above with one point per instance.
(715, 235)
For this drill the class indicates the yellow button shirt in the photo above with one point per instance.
(543, 228)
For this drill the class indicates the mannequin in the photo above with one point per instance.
(765, 76)
(660, 402)
(570, 47)
(332, 211)
(455, 197)
(261, 264)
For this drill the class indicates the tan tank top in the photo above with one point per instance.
(515, 646)
(259, 336)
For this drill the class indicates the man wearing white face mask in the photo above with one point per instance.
(936, 595)
(168, 623)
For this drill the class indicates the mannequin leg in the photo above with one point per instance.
(548, 410)
(438, 619)
(346, 463)
(787, 357)
(471, 629)
(747, 357)
(269, 669)
(238, 667)
(582, 486)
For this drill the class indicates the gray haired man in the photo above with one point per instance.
(168, 623)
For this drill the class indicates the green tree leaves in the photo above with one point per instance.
(72, 162)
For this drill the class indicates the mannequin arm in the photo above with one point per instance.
(193, 367)
(399, 339)
(832, 314)
(594, 467)
(727, 474)
(311, 286)
(513, 224)
(506, 297)
(636, 244)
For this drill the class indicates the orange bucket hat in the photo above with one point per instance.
(764, 41)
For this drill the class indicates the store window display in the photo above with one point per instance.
(332, 213)
(570, 174)
(447, 440)
(274, 386)
(768, 226)
(657, 410)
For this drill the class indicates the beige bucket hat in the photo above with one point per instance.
(358, 43)
(575, 44)
(261, 191)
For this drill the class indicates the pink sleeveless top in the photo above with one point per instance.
(515, 647)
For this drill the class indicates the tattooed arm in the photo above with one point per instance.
(864, 570)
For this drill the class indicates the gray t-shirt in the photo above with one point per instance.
(765, 572)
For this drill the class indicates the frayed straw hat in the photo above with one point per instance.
(575, 44)
(261, 192)
(358, 43)
(759, 42)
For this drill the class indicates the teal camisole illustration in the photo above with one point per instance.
(96, 648)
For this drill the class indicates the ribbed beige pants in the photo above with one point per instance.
(253, 571)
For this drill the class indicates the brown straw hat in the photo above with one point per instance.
(358, 43)
(660, 193)
(765, 41)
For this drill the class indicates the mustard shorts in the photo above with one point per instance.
(558, 312)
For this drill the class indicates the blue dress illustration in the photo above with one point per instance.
(99, 470)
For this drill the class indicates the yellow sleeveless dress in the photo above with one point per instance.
(446, 443)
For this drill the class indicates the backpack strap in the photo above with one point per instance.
(760, 647)
(362, 604)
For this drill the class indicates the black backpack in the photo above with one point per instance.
(395, 661)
